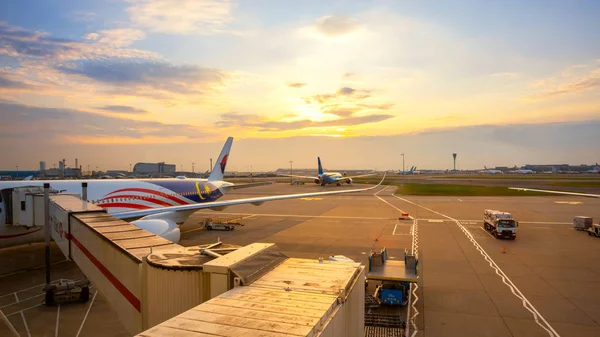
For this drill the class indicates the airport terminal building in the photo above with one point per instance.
(148, 168)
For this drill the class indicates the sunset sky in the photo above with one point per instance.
(114, 82)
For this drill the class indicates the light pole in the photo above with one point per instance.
(17, 171)
(291, 172)
(193, 167)
(129, 168)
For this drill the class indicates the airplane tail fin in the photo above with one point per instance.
(320, 166)
(485, 167)
(219, 169)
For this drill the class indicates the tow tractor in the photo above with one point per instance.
(67, 291)
(220, 224)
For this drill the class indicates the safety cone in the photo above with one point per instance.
(503, 250)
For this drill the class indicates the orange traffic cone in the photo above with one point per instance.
(503, 250)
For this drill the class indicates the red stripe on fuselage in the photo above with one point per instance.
(138, 197)
(124, 205)
(145, 190)
(131, 298)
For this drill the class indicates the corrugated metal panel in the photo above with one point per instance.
(174, 282)
(169, 292)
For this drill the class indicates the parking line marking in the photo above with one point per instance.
(513, 288)
(25, 323)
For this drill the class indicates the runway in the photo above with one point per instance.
(545, 284)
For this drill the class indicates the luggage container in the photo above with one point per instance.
(582, 223)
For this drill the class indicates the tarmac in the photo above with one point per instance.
(544, 283)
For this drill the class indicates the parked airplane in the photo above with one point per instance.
(521, 171)
(324, 178)
(487, 170)
(159, 205)
(595, 169)
(411, 171)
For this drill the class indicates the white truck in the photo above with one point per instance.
(500, 224)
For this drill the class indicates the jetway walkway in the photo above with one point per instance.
(149, 281)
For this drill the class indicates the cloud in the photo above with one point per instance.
(49, 124)
(385, 106)
(233, 119)
(122, 109)
(26, 45)
(156, 75)
(6, 83)
(296, 85)
(341, 112)
(181, 16)
(569, 83)
(334, 26)
(16, 41)
(344, 93)
(117, 37)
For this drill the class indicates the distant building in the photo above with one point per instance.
(150, 168)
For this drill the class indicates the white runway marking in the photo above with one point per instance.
(302, 216)
(8, 324)
(25, 324)
(513, 288)
(57, 320)
(86, 314)
(520, 221)
(413, 286)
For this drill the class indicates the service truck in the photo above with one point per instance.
(500, 224)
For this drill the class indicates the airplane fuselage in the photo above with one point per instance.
(124, 195)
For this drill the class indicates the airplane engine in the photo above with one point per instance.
(349, 181)
(167, 229)
(317, 181)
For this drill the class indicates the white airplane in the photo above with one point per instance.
(159, 205)
(491, 171)
(521, 171)
(324, 178)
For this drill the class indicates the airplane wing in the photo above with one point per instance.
(217, 204)
(556, 192)
(259, 183)
(352, 177)
(296, 176)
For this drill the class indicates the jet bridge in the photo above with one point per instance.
(149, 280)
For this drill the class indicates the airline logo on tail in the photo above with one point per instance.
(223, 163)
